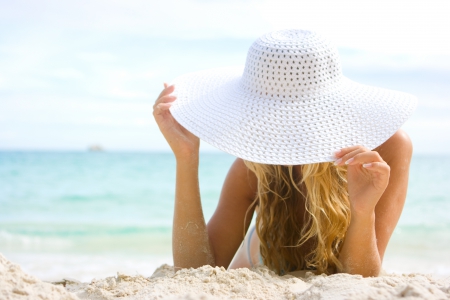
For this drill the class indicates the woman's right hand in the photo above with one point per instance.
(183, 143)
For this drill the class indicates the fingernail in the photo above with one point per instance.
(367, 165)
(337, 161)
(349, 161)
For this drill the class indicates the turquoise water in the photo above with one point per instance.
(95, 202)
(61, 208)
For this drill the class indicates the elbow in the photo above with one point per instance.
(364, 273)
(372, 269)
(398, 146)
(374, 272)
(403, 142)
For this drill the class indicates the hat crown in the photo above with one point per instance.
(290, 64)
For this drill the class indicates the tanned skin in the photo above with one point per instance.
(377, 184)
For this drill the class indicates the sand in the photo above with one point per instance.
(15, 284)
(217, 283)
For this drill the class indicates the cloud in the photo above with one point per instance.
(376, 61)
(117, 92)
(97, 57)
(171, 18)
(386, 26)
(124, 84)
(2, 81)
(442, 125)
(96, 65)
(66, 73)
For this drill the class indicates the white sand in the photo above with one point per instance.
(217, 283)
(15, 284)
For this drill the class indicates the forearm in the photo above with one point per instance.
(190, 242)
(359, 253)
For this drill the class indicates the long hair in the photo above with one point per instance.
(302, 218)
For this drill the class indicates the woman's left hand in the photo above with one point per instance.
(367, 177)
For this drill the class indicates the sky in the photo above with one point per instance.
(78, 73)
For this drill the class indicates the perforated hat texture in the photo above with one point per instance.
(289, 105)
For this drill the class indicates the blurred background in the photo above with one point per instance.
(86, 178)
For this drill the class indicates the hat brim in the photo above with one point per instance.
(295, 130)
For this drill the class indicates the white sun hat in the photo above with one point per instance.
(289, 105)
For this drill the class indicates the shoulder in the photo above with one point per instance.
(241, 179)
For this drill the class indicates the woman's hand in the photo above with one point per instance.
(367, 177)
(183, 143)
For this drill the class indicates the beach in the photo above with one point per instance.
(217, 283)
(100, 224)
(87, 179)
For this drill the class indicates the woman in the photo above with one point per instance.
(283, 116)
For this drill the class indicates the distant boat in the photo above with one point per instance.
(95, 148)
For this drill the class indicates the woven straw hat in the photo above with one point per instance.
(289, 105)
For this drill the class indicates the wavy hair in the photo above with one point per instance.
(302, 218)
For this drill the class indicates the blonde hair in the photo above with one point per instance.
(321, 192)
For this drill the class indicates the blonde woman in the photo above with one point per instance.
(319, 157)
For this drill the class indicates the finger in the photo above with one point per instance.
(364, 158)
(167, 90)
(343, 151)
(377, 167)
(356, 150)
(165, 99)
(165, 84)
(161, 108)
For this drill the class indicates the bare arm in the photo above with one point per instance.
(374, 217)
(190, 242)
(193, 243)
(226, 227)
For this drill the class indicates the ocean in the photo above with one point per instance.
(82, 215)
